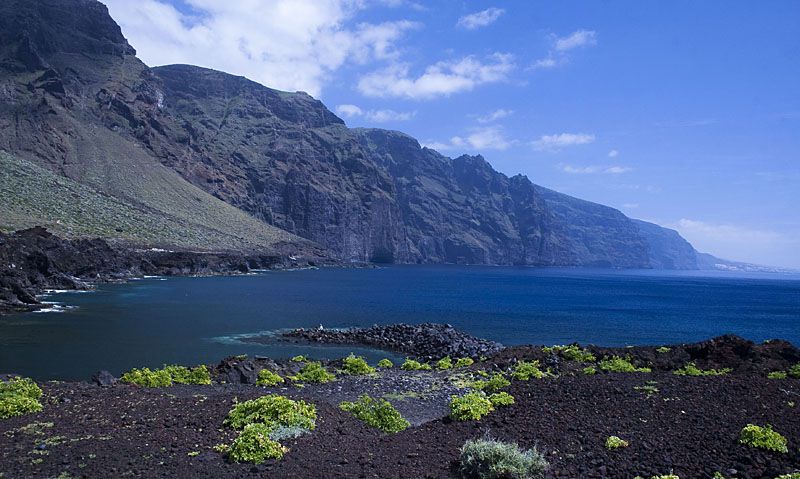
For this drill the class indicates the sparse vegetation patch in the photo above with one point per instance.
(414, 365)
(525, 370)
(692, 370)
(19, 396)
(615, 442)
(378, 413)
(356, 366)
(268, 378)
(470, 407)
(616, 364)
(763, 438)
(167, 376)
(492, 459)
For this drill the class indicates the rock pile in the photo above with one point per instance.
(429, 340)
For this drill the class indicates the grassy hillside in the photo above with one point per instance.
(179, 215)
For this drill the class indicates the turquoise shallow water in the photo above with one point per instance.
(192, 320)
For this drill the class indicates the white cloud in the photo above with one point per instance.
(285, 44)
(478, 139)
(498, 114)
(559, 141)
(349, 111)
(376, 116)
(480, 19)
(558, 54)
(613, 154)
(580, 38)
(741, 243)
(440, 79)
(586, 170)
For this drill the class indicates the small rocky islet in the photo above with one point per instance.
(685, 410)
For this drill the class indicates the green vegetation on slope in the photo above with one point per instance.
(35, 196)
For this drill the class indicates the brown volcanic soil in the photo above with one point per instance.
(690, 427)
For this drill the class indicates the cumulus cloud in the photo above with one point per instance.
(586, 170)
(493, 116)
(376, 116)
(480, 19)
(580, 38)
(559, 141)
(440, 79)
(285, 44)
(478, 139)
(613, 154)
(559, 52)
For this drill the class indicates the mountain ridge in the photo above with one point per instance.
(190, 142)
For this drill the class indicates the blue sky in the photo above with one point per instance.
(684, 113)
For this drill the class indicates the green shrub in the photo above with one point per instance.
(468, 407)
(19, 396)
(763, 438)
(464, 362)
(492, 459)
(268, 378)
(385, 364)
(692, 370)
(272, 410)
(777, 375)
(589, 370)
(357, 366)
(299, 359)
(524, 370)
(495, 383)
(377, 413)
(184, 375)
(614, 442)
(616, 364)
(663, 349)
(501, 399)
(794, 371)
(413, 365)
(254, 445)
(167, 376)
(573, 352)
(444, 363)
(313, 372)
(794, 475)
(145, 377)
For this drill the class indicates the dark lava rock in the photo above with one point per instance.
(429, 340)
(103, 378)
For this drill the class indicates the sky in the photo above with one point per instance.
(683, 113)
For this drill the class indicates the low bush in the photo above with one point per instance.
(614, 442)
(794, 475)
(299, 359)
(385, 364)
(356, 366)
(501, 399)
(377, 413)
(495, 383)
(184, 375)
(525, 370)
(763, 438)
(272, 410)
(794, 371)
(464, 362)
(589, 370)
(573, 352)
(663, 349)
(313, 372)
(692, 370)
(777, 375)
(268, 378)
(413, 365)
(148, 378)
(444, 363)
(167, 376)
(19, 396)
(254, 445)
(470, 407)
(616, 364)
(492, 459)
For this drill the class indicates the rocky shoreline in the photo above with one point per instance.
(427, 341)
(673, 424)
(35, 260)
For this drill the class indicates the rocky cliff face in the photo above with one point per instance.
(74, 98)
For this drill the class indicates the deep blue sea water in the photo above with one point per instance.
(192, 320)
